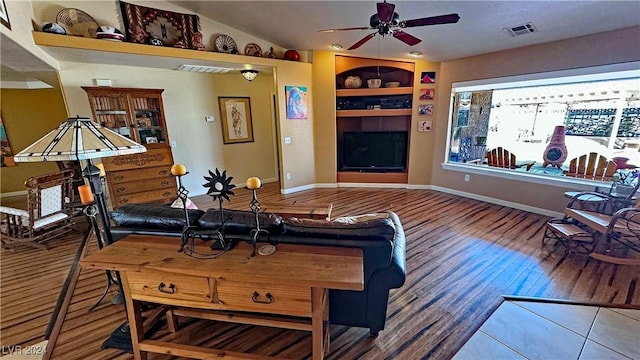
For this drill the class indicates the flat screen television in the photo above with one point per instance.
(375, 151)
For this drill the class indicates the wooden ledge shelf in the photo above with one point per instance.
(376, 112)
(65, 47)
(372, 177)
(375, 91)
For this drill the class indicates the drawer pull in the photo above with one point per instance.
(162, 172)
(121, 189)
(164, 183)
(172, 288)
(118, 177)
(255, 296)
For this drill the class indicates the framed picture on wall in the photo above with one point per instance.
(427, 77)
(296, 97)
(425, 125)
(427, 94)
(4, 16)
(237, 126)
(425, 109)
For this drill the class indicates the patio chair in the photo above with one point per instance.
(592, 167)
(503, 158)
(48, 213)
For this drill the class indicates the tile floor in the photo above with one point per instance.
(538, 330)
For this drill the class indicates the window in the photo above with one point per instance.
(595, 110)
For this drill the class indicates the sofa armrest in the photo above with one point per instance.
(398, 266)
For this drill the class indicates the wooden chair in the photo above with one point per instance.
(591, 166)
(502, 158)
(47, 216)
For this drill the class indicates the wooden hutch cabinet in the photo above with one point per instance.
(139, 115)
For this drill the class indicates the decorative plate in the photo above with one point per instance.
(252, 49)
(77, 22)
(226, 44)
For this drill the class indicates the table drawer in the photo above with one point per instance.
(150, 285)
(267, 298)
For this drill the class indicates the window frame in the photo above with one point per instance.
(593, 73)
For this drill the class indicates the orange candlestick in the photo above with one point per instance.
(86, 196)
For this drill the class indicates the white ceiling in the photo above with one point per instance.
(295, 24)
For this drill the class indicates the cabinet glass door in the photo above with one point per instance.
(148, 120)
(111, 112)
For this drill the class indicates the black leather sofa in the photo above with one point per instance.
(381, 238)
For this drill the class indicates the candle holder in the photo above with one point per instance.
(253, 184)
(182, 193)
(219, 188)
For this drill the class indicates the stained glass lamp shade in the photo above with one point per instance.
(78, 138)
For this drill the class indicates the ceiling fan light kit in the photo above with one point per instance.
(387, 22)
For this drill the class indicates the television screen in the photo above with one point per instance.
(375, 151)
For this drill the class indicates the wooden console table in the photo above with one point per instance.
(294, 282)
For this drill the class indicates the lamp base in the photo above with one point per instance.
(119, 339)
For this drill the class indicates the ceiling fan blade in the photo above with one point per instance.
(405, 38)
(385, 11)
(362, 41)
(433, 20)
(344, 29)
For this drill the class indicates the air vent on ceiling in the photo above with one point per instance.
(204, 69)
(521, 29)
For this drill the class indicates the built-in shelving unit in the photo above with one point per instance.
(364, 109)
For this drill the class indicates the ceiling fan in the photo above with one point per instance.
(386, 21)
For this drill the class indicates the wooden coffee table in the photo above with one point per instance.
(299, 209)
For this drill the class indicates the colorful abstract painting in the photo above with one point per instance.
(7, 154)
(296, 97)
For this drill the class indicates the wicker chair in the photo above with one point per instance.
(48, 213)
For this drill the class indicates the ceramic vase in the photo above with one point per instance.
(353, 82)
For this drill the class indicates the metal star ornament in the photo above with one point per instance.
(219, 185)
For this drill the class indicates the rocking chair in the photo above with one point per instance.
(48, 213)
(604, 226)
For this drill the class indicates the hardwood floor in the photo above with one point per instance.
(462, 255)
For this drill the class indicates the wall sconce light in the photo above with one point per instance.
(249, 75)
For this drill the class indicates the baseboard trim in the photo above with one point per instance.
(511, 204)
(296, 189)
(487, 199)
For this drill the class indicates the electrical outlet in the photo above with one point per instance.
(466, 177)
(288, 176)
(287, 139)
(174, 144)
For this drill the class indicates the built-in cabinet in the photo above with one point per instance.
(369, 110)
(139, 115)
